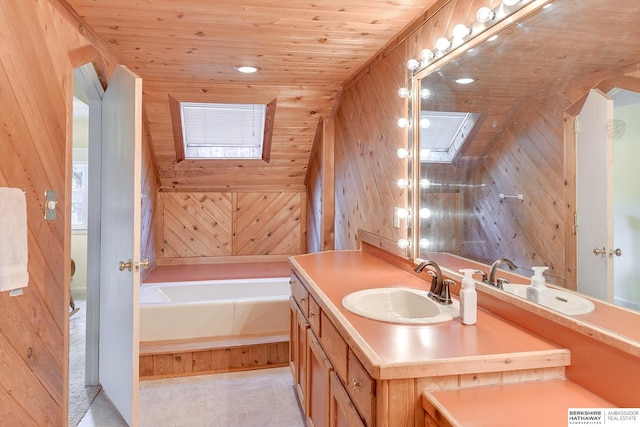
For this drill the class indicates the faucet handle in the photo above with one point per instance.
(445, 294)
(501, 281)
(484, 275)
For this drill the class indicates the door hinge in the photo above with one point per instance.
(575, 221)
(575, 126)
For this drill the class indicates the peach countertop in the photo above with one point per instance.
(406, 351)
(532, 404)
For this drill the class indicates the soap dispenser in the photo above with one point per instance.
(468, 298)
(537, 292)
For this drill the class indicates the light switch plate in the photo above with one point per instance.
(51, 201)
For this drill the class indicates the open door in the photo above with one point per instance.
(120, 241)
(594, 187)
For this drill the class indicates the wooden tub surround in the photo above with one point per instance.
(353, 371)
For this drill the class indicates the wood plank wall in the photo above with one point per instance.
(366, 165)
(36, 87)
(320, 187)
(201, 227)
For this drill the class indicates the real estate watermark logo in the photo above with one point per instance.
(616, 417)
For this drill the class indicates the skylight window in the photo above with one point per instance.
(444, 134)
(223, 131)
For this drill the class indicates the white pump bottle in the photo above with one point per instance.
(468, 299)
(538, 291)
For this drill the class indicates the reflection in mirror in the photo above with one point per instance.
(511, 188)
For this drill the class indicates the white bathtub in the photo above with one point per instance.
(191, 310)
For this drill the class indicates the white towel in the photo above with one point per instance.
(13, 239)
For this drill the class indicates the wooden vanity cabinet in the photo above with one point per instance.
(319, 357)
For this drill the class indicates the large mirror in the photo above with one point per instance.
(505, 166)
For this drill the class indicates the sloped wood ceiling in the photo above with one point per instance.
(187, 49)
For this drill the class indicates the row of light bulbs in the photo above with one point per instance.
(460, 32)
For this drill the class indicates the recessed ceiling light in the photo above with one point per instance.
(246, 69)
(464, 80)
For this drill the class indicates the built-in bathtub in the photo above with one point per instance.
(217, 308)
(205, 327)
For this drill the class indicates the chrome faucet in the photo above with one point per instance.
(439, 287)
(492, 272)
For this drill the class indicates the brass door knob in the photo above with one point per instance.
(602, 251)
(144, 264)
(125, 265)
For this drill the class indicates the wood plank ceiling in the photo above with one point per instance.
(305, 49)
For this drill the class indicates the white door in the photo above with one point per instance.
(594, 182)
(120, 241)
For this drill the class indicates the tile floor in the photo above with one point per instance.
(257, 398)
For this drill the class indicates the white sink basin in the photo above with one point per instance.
(564, 302)
(399, 305)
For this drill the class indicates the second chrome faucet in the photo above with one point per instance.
(491, 279)
(439, 286)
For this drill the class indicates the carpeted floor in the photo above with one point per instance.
(80, 397)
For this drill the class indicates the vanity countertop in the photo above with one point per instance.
(532, 404)
(392, 351)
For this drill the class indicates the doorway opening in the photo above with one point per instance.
(85, 242)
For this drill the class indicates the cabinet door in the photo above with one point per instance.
(298, 351)
(362, 389)
(342, 411)
(318, 379)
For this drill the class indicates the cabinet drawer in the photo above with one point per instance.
(314, 316)
(362, 389)
(335, 347)
(299, 294)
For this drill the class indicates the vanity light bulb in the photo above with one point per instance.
(484, 14)
(424, 243)
(402, 213)
(402, 183)
(425, 93)
(412, 64)
(425, 123)
(403, 123)
(510, 2)
(425, 213)
(425, 183)
(404, 243)
(403, 92)
(461, 31)
(443, 44)
(427, 55)
(402, 153)
(425, 153)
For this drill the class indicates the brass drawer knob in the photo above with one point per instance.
(355, 383)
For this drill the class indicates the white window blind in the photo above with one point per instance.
(222, 131)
